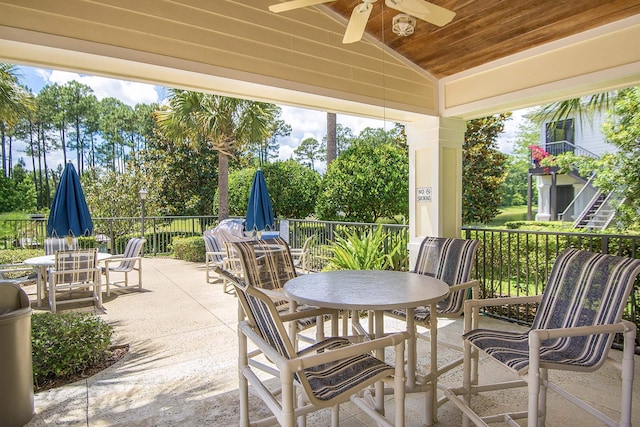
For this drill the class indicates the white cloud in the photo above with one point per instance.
(507, 138)
(131, 93)
(313, 124)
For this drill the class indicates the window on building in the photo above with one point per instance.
(560, 137)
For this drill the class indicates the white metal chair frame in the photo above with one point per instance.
(324, 375)
(17, 273)
(268, 265)
(450, 260)
(130, 260)
(301, 256)
(579, 313)
(218, 256)
(75, 270)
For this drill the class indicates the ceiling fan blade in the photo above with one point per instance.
(357, 23)
(423, 10)
(295, 4)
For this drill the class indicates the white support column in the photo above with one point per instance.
(435, 179)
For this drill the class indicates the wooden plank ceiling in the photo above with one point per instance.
(486, 30)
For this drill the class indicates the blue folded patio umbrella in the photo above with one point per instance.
(69, 215)
(259, 211)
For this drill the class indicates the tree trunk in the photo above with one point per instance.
(63, 137)
(33, 166)
(79, 148)
(331, 138)
(4, 153)
(10, 163)
(41, 198)
(223, 186)
(47, 195)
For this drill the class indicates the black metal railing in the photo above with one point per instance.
(508, 262)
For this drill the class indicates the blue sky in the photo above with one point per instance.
(304, 123)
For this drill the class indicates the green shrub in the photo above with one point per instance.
(160, 242)
(361, 250)
(87, 242)
(67, 343)
(189, 248)
(11, 256)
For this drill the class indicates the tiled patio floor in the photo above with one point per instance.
(181, 368)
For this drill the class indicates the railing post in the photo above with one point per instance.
(112, 237)
(155, 251)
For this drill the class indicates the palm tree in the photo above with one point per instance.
(224, 123)
(584, 108)
(15, 101)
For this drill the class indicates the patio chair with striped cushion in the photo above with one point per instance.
(217, 255)
(579, 313)
(449, 260)
(129, 261)
(313, 378)
(75, 273)
(268, 265)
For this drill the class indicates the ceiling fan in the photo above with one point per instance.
(421, 9)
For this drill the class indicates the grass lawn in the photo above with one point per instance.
(512, 213)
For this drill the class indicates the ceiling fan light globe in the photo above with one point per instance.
(403, 25)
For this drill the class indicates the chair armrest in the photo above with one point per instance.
(314, 312)
(331, 355)
(119, 258)
(465, 285)
(545, 334)
(274, 294)
(472, 306)
(15, 268)
(487, 302)
(299, 363)
(216, 253)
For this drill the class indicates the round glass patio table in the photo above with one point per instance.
(45, 261)
(377, 290)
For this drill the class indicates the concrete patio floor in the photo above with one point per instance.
(181, 367)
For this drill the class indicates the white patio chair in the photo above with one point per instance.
(17, 273)
(54, 244)
(129, 261)
(217, 255)
(323, 375)
(579, 313)
(268, 265)
(449, 260)
(301, 257)
(75, 271)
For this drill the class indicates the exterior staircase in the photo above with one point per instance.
(599, 213)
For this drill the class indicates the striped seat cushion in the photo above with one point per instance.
(584, 289)
(213, 246)
(330, 380)
(132, 250)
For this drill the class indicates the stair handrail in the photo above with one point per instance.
(611, 197)
(585, 211)
(588, 185)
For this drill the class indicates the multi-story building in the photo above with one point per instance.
(570, 197)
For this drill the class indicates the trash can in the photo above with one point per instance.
(16, 365)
